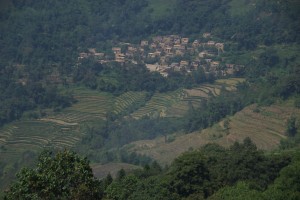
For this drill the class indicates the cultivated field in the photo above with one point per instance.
(90, 105)
(193, 97)
(264, 125)
(56, 130)
(128, 100)
(63, 129)
(158, 104)
(34, 135)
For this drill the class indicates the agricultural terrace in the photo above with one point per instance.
(128, 101)
(34, 135)
(265, 126)
(193, 97)
(158, 104)
(90, 105)
(62, 129)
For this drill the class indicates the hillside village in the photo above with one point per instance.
(170, 53)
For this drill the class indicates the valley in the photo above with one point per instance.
(149, 99)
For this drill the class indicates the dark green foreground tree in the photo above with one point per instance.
(61, 176)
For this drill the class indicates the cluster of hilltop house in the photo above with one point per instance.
(172, 52)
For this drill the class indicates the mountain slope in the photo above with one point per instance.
(266, 126)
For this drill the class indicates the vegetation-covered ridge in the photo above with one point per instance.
(212, 172)
(40, 41)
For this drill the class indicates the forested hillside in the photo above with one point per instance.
(81, 75)
(41, 40)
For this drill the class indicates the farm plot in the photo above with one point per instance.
(204, 91)
(90, 105)
(229, 84)
(128, 100)
(194, 96)
(266, 129)
(158, 104)
(35, 135)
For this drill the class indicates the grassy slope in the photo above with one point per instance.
(266, 128)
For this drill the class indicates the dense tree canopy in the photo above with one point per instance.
(61, 176)
(212, 172)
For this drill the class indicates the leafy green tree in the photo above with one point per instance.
(61, 176)
(121, 174)
(155, 187)
(287, 185)
(189, 174)
(122, 189)
(241, 191)
(291, 126)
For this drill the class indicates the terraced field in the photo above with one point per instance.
(58, 130)
(230, 84)
(127, 100)
(35, 135)
(62, 130)
(264, 125)
(158, 104)
(90, 105)
(193, 97)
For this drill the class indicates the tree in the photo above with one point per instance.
(241, 191)
(61, 176)
(287, 185)
(291, 126)
(189, 174)
(121, 189)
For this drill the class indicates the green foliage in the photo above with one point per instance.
(16, 98)
(40, 40)
(291, 126)
(122, 188)
(213, 172)
(241, 191)
(297, 102)
(153, 188)
(214, 110)
(287, 185)
(98, 141)
(189, 174)
(62, 176)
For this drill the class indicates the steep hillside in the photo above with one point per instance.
(266, 126)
